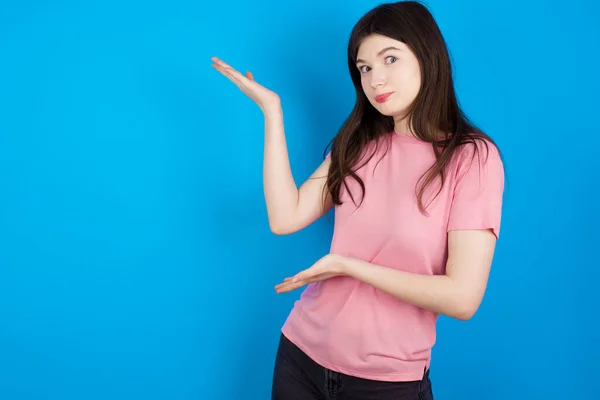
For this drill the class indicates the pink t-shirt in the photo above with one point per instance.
(349, 326)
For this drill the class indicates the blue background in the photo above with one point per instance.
(136, 260)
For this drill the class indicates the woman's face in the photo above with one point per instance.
(390, 74)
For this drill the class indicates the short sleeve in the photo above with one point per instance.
(478, 190)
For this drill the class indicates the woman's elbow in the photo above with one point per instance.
(464, 315)
(466, 309)
(279, 230)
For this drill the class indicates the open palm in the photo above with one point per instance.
(262, 96)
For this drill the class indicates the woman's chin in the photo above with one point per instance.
(389, 111)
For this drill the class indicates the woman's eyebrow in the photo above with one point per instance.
(381, 52)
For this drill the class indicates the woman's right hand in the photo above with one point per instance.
(263, 97)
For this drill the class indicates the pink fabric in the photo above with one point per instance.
(351, 327)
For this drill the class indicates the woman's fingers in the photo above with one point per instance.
(228, 71)
(246, 82)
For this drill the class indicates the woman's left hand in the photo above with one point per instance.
(327, 267)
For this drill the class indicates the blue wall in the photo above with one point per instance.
(136, 260)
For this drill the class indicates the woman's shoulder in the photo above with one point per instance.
(478, 149)
(480, 158)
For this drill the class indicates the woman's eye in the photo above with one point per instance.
(389, 59)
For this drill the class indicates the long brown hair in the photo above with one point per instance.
(435, 115)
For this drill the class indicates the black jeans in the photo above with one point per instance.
(298, 377)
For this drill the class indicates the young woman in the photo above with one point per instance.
(417, 191)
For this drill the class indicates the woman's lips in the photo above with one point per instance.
(383, 97)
